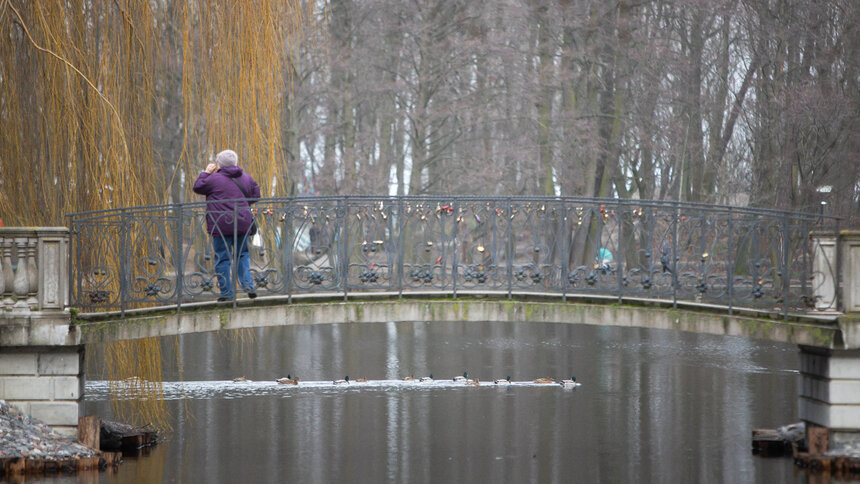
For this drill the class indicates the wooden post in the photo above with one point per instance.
(819, 439)
(89, 431)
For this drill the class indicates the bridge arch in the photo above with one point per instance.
(821, 332)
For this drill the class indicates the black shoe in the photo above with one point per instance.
(252, 295)
(224, 299)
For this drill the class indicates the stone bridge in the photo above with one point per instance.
(149, 271)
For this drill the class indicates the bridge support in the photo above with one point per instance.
(41, 358)
(829, 394)
(829, 390)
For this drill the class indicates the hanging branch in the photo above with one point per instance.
(83, 76)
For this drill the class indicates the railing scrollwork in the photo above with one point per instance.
(731, 256)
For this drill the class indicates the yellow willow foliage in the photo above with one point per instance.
(135, 373)
(234, 84)
(84, 86)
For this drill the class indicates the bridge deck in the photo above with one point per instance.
(814, 330)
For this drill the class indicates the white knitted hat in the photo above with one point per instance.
(227, 158)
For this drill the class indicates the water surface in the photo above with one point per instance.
(654, 406)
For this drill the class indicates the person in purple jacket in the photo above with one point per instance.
(224, 180)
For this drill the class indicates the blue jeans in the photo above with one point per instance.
(223, 255)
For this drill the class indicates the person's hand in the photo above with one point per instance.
(211, 168)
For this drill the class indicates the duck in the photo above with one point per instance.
(426, 378)
(240, 378)
(506, 381)
(409, 378)
(570, 383)
(288, 380)
(473, 382)
(544, 380)
(345, 381)
(361, 380)
(461, 378)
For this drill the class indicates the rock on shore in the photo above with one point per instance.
(22, 436)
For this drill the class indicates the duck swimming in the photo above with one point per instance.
(288, 380)
(426, 378)
(408, 378)
(240, 378)
(545, 380)
(345, 381)
(506, 381)
(473, 382)
(570, 383)
(461, 378)
(361, 380)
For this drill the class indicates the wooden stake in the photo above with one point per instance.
(89, 431)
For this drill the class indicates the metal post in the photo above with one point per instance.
(234, 265)
(804, 232)
(454, 251)
(288, 250)
(400, 222)
(79, 300)
(675, 215)
(123, 258)
(786, 273)
(344, 244)
(599, 233)
(619, 265)
(389, 241)
(565, 252)
(755, 258)
(509, 249)
(838, 281)
(650, 249)
(178, 258)
(730, 262)
(703, 246)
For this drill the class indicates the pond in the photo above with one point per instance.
(654, 405)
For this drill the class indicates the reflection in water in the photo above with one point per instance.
(392, 367)
(655, 406)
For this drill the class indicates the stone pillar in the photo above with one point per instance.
(41, 358)
(53, 283)
(32, 272)
(21, 284)
(824, 270)
(849, 241)
(6, 244)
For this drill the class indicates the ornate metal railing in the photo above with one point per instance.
(736, 257)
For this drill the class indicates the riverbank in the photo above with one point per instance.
(28, 446)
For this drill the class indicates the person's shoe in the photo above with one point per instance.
(224, 299)
(252, 295)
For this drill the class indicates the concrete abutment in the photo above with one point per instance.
(45, 382)
(41, 356)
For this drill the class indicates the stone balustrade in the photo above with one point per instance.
(34, 268)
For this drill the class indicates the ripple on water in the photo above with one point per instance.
(228, 389)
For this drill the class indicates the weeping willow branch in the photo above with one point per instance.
(108, 103)
(135, 376)
(81, 74)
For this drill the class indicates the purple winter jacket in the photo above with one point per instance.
(220, 186)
